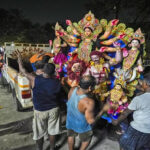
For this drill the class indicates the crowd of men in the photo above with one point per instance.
(81, 119)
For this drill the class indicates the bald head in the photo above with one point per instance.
(86, 82)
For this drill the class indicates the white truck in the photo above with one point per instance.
(15, 82)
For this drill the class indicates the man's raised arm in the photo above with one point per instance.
(122, 116)
(30, 76)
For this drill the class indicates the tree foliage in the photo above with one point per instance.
(133, 13)
(15, 27)
(130, 11)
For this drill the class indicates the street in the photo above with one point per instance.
(16, 130)
(75, 68)
(15, 127)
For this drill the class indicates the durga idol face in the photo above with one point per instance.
(87, 32)
(135, 43)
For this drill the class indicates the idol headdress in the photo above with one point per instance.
(139, 36)
(90, 21)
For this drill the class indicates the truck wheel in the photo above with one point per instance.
(9, 90)
(3, 82)
(18, 105)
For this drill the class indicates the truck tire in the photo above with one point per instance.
(9, 89)
(18, 105)
(3, 81)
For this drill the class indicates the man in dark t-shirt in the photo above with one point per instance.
(46, 89)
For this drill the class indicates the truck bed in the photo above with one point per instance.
(14, 64)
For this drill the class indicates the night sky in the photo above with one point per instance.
(43, 11)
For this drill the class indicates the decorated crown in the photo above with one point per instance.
(139, 35)
(90, 21)
(57, 26)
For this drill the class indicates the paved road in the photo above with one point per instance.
(16, 130)
(15, 127)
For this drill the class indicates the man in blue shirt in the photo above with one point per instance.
(80, 112)
(46, 89)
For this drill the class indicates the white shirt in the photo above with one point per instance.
(141, 115)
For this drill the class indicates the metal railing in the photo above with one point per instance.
(10, 47)
(8, 44)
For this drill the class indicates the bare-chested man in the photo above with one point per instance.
(80, 112)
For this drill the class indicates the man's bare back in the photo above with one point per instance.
(85, 106)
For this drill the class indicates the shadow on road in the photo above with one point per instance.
(29, 147)
(22, 127)
(99, 136)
